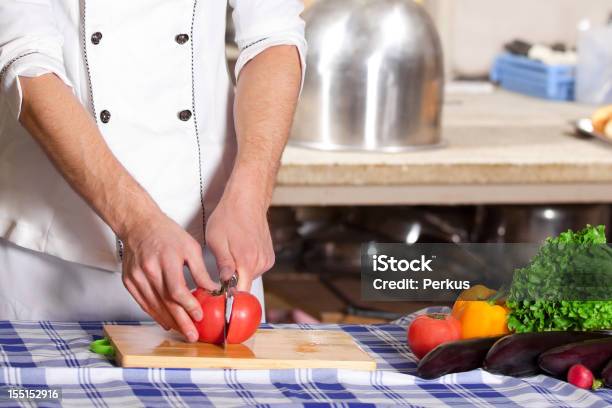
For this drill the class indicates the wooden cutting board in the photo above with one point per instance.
(152, 347)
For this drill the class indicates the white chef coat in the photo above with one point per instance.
(154, 76)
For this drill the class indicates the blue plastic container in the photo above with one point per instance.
(521, 74)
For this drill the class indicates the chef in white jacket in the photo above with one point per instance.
(123, 152)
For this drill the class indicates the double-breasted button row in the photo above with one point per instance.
(183, 115)
(186, 114)
(179, 38)
(95, 40)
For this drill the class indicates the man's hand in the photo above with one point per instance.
(238, 234)
(155, 253)
(237, 231)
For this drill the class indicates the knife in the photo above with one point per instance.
(228, 289)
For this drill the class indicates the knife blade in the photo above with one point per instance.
(225, 321)
(229, 303)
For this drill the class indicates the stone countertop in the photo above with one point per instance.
(491, 138)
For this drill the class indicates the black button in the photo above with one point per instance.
(105, 116)
(181, 38)
(96, 37)
(184, 115)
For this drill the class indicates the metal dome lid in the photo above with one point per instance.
(374, 78)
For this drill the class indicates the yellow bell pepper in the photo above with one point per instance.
(479, 316)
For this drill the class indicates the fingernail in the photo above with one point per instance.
(192, 336)
(197, 315)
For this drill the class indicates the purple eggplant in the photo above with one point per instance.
(606, 374)
(455, 357)
(593, 354)
(517, 354)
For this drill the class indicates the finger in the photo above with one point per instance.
(154, 301)
(175, 290)
(133, 290)
(140, 299)
(246, 263)
(268, 264)
(245, 280)
(185, 324)
(197, 268)
(271, 254)
(271, 261)
(149, 278)
(224, 258)
(268, 258)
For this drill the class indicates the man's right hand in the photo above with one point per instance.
(155, 252)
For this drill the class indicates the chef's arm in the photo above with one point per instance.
(266, 97)
(72, 141)
(156, 248)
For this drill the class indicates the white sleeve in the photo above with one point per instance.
(30, 45)
(261, 24)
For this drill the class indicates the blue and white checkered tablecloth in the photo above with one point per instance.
(56, 355)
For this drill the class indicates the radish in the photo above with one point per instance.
(580, 376)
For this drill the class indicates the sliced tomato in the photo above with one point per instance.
(210, 328)
(244, 320)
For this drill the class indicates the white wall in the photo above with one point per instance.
(474, 31)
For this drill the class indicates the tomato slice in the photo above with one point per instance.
(245, 318)
(210, 328)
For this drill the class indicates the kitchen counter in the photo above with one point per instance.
(500, 147)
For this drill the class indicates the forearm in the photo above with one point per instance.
(72, 141)
(266, 98)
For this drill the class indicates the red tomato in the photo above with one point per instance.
(210, 328)
(244, 320)
(245, 317)
(427, 332)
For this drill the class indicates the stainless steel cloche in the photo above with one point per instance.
(374, 78)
